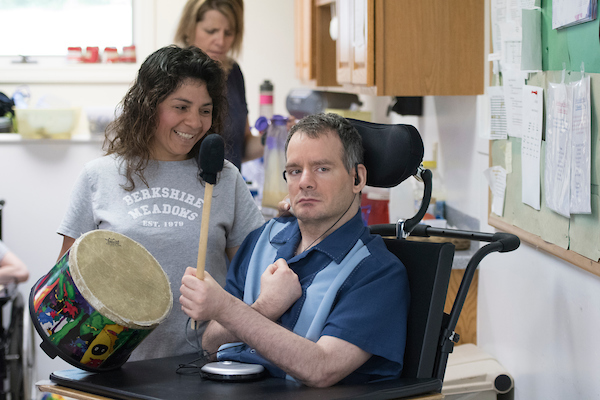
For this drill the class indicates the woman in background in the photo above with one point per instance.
(151, 169)
(217, 27)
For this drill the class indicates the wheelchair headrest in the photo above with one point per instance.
(392, 152)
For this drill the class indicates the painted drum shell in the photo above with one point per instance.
(97, 304)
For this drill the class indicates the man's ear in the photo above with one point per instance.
(360, 178)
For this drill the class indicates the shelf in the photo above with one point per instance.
(68, 73)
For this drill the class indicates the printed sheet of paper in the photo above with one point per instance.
(511, 42)
(581, 149)
(557, 163)
(528, 4)
(498, 12)
(533, 104)
(513, 82)
(570, 12)
(497, 113)
(514, 11)
(517, 34)
(496, 178)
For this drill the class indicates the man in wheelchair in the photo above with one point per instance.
(313, 296)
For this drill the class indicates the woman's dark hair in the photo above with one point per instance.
(130, 136)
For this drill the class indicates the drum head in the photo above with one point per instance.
(120, 279)
(232, 371)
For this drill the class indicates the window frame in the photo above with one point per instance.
(50, 69)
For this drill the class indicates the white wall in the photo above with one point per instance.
(268, 52)
(537, 314)
(35, 182)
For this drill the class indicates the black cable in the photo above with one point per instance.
(323, 234)
(192, 368)
(328, 229)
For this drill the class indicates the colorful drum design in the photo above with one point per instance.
(104, 296)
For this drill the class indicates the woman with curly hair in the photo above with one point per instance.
(148, 187)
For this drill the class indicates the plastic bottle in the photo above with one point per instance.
(266, 100)
(275, 188)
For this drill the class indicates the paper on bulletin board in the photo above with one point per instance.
(498, 13)
(548, 225)
(496, 178)
(503, 11)
(497, 113)
(567, 13)
(511, 43)
(531, 4)
(531, 46)
(514, 11)
(512, 82)
(581, 148)
(533, 111)
(557, 163)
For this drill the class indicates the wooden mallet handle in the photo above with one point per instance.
(211, 156)
(204, 231)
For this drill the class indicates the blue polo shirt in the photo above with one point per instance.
(353, 288)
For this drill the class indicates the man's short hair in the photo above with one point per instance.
(318, 125)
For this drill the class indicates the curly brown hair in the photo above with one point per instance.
(130, 136)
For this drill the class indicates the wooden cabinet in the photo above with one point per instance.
(429, 47)
(315, 50)
(398, 47)
(303, 13)
(355, 43)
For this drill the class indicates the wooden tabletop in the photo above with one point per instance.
(50, 387)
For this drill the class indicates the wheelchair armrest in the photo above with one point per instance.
(498, 242)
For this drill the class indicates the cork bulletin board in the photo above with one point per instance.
(575, 239)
